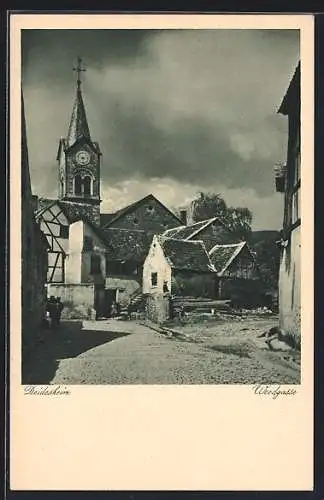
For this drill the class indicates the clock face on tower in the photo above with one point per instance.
(82, 157)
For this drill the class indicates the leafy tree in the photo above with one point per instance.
(237, 219)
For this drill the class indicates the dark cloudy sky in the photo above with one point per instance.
(174, 111)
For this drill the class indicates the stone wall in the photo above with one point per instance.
(125, 285)
(78, 299)
(157, 307)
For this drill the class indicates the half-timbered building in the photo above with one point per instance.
(288, 182)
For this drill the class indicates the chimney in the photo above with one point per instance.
(183, 217)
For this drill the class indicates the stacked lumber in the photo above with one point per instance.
(200, 304)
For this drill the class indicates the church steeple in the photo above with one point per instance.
(79, 158)
(79, 127)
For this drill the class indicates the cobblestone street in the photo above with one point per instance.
(125, 352)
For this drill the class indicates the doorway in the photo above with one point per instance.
(99, 301)
(110, 297)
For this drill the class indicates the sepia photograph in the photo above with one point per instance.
(161, 286)
(161, 206)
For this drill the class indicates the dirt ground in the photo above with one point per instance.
(207, 351)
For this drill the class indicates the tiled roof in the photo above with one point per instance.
(186, 232)
(105, 219)
(127, 244)
(222, 255)
(73, 212)
(171, 233)
(186, 255)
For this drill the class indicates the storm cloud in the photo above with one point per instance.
(174, 111)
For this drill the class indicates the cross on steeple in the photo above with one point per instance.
(79, 70)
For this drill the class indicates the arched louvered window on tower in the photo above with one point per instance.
(77, 184)
(87, 185)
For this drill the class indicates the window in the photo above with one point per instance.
(87, 244)
(64, 232)
(87, 186)
(154, 279)
(82, 185)
(77, 184)
(95, 264)
(135, 221)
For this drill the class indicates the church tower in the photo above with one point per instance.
(79, 161)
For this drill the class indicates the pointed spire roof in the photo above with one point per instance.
(79, 127)
(79, 124)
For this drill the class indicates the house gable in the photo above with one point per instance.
(55, 226)
(147, 214)
(156, 270)
(234, 260)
